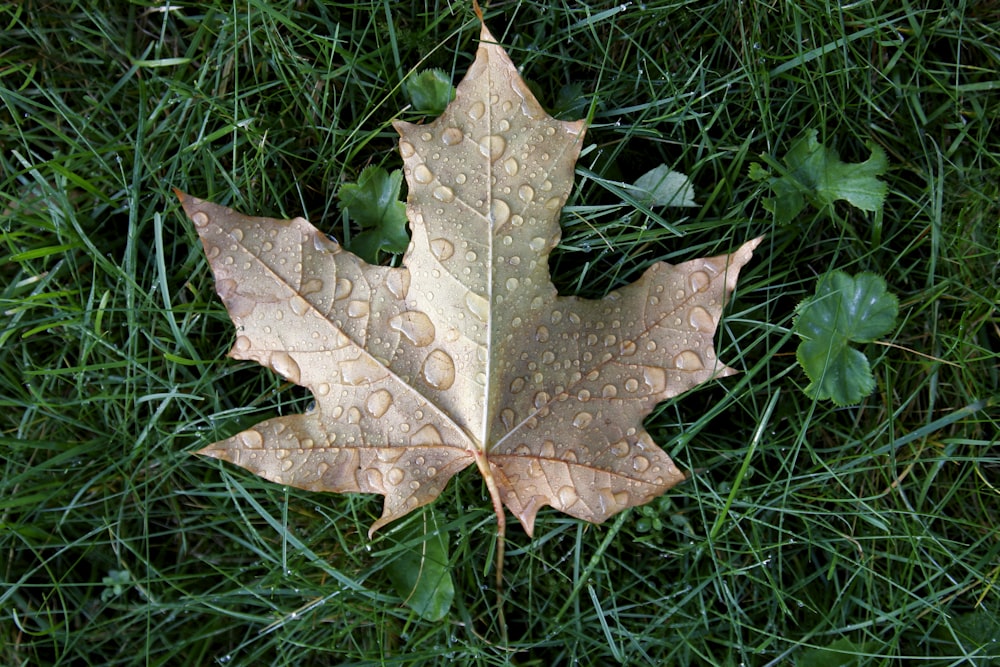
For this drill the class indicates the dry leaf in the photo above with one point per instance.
(466, 354)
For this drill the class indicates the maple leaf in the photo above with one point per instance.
(466, 354)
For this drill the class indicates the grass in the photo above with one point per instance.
(869, 530)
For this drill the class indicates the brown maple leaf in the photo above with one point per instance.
(466, 354)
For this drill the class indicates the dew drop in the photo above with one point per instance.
(358, 308)
(499, 212)
(252, 439)
(442, 249)
(343, 288)
(582, 420)
(640, 463)
(548, 450)
(395, 476)
(398, 282)
(698, 281)
(656, 378)
(311, 286)
(283, 363)
(426, 435)
(421, 174)
(701, 320)
(583, 395)
(542, 334)
(628, 348)
(444, 193)
(526, 193)
(374, 476)
(620, 449)
(492, 146)
(439, 370)
(688, 360)
(517, 385)
(415, 325)
(287, 465)
(512, 284)
(406, 149)
(378, 403)
(322, 389)
(452, 136)
(541, 399)
(477, 110)
(242, 344)
(299, 305)
(536, 243)
(353, 415)
(478, 306)
(508, 418)
(568, 496)
(631, 385)
(511, 166)
(200, 219)
(461, 179)
(389, 454)
(609, 391)
(363, 370)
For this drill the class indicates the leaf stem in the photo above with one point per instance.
(484, 468)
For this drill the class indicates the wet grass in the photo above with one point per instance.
(869, 529)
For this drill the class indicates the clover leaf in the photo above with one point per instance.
(815, 175)
(430, 91)
(844, 309)
(373, 203)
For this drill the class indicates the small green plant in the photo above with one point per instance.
(661, 186)
(116, 581)
(844, 309)
(421, 574)
(841, 653)
(976, 634)
(813, 174)
(373, 203)
(429, 92)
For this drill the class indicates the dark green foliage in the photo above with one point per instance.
(421, 572)
(373, 203)
(844, 310)
(813, 174)
(429, 92)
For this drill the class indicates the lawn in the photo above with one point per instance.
(809, 533)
